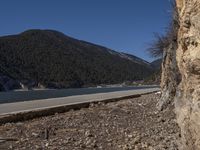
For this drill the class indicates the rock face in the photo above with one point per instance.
(186, 91)
(170, 76)
(188, 60)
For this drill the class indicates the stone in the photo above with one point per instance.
(181, 74)
(88, 133)
(35, 134)
(130, 136)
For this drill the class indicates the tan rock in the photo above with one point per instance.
(187, 58)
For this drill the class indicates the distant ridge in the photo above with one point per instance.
(156, 63)
(52, 59)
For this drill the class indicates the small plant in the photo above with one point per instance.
(162, 42)
(158, 45)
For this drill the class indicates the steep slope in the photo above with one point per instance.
(53, 59)
(181, 72)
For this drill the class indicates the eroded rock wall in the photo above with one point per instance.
(170, 77)
(187, 58)
(188, 61)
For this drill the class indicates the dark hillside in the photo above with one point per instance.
(157, 63)
(53, 59)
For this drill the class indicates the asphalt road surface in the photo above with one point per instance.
(18, 96)
(31, 105)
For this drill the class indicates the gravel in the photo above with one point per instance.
(130, 124)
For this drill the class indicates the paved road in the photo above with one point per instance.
(18, 96)
(9, 108)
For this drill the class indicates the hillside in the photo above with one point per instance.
(156, 63)
(155, 77)
(51, 59)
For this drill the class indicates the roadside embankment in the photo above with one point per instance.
(133, 123)
(21, 111)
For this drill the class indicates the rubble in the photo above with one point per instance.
(123, 125)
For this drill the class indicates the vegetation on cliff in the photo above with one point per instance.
(164, 47)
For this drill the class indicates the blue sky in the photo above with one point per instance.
(122, 25)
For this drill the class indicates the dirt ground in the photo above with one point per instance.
(131, 124)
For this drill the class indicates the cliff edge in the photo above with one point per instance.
(181, 73)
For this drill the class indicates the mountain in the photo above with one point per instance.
(156, 63)
(155, 77)
(51, 59)
(7, 83)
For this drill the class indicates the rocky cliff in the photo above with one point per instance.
(181, 74)
(170, 76)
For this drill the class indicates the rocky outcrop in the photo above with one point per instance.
(188, 61)
(170, 76)
(186, 91)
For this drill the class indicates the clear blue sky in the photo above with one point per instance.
(122, 25)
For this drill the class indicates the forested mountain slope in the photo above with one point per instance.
(52, 59)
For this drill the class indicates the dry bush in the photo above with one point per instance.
(162, 42)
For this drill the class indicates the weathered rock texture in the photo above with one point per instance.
(170, 77)
(187, 57)
(188, 60)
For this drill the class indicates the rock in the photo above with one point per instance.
(10, 147)
(136, 140)
(88, 142)
(35, 134)
(181, 74)
(19, 123)
(130, 136)
(187, 99)
(2, 141)
(47, 144)
(88, 133)
(101, 127)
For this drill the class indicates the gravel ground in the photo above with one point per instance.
(123, 125)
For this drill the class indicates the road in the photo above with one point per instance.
(18, 96)
(26, 106)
